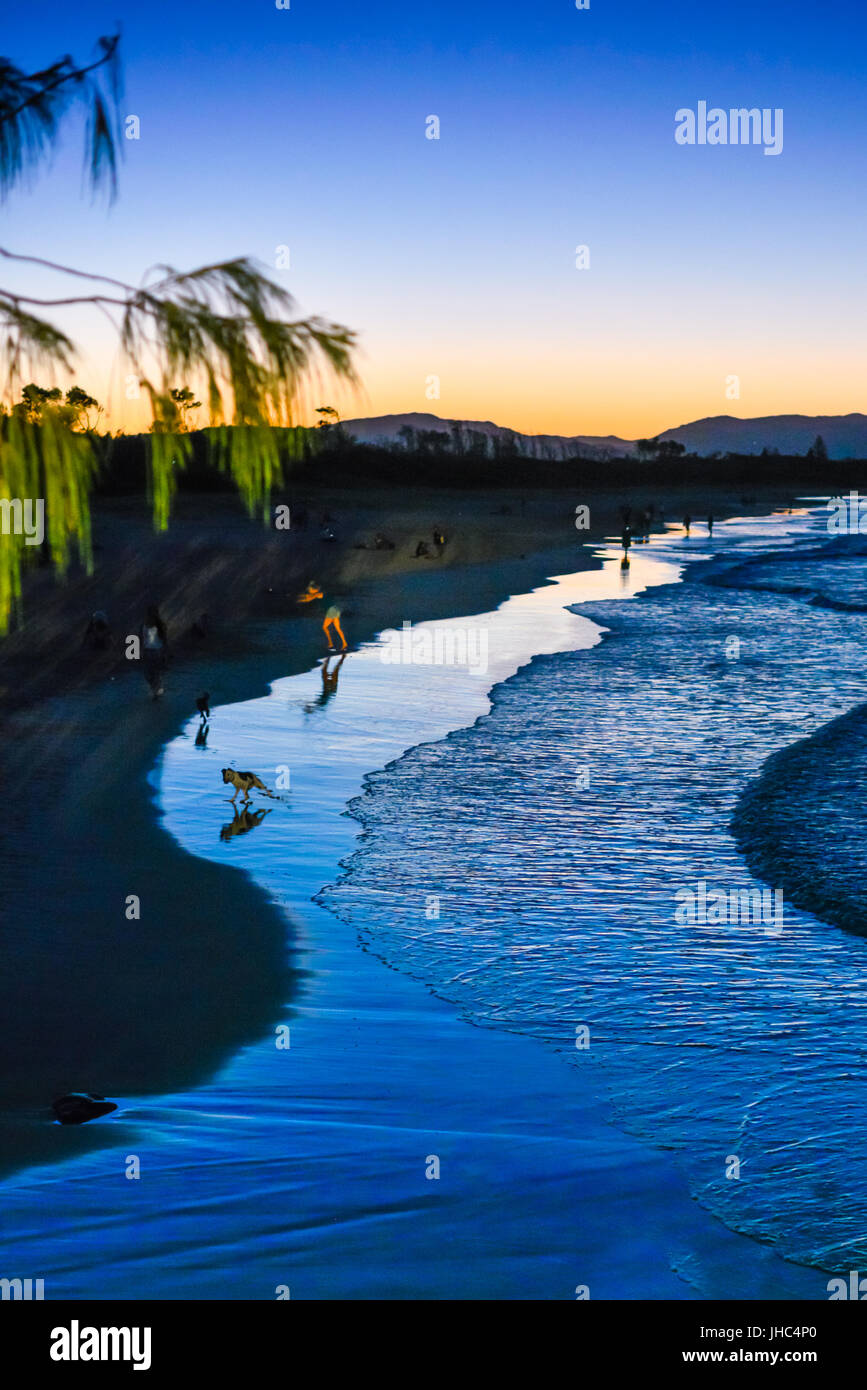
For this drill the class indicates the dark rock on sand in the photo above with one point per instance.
(78, 1107)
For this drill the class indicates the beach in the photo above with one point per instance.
(204, 993)
(79, 762)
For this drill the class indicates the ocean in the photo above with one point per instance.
(542, 876)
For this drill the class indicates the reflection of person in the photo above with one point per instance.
(332, 619)
(154, 649)
(330, 678)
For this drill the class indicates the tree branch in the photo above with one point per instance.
(65, 269)
(70, 75)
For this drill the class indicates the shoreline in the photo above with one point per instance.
(84, 762)
(479, 1131)
(491, 1104)
(80, 763)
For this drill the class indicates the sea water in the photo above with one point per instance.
(571, 836)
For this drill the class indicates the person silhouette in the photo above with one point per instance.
(332, 619)
(154, 649)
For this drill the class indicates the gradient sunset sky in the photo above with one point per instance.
(305, 127)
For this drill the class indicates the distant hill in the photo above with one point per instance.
(845, 436)
(385, 429)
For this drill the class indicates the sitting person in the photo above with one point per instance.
(421, 551)
(201, 627)
(439, 538)
(381, 542)
(97, 634)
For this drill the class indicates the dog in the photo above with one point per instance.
(243, 781)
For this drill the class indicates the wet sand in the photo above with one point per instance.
(93, 1000)
(307, 1168)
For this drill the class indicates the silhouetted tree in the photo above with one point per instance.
(34, 400)
(185, 401)
(79, 404)
(818, 450)
(669, 449)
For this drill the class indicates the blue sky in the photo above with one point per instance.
(456, 258)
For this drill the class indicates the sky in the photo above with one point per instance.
(455, 259)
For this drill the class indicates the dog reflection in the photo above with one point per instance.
(242, 821)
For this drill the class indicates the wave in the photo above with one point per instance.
(803, 823)
(530, 868)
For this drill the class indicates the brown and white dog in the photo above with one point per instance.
(243, 782)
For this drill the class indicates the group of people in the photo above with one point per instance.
(152, 638)
(687, 523)
(154, 650)
(637, 525)
(380, 542)
(423, 550)
(153, 642)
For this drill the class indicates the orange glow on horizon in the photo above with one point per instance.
(628, 395)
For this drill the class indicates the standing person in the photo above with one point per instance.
(710, 525)
(687, 522)
(626, 541)
(332, 619)
(154, 649)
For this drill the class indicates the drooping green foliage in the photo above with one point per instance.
(44, 461)
(223, 330)
(33, 104)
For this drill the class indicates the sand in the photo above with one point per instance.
(186, 988)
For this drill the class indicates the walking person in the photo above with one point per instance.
(154, 649)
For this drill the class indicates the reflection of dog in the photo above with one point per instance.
(243, 820)
(243, 781)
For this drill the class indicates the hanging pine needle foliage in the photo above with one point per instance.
(225, 329)
(49, 462)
